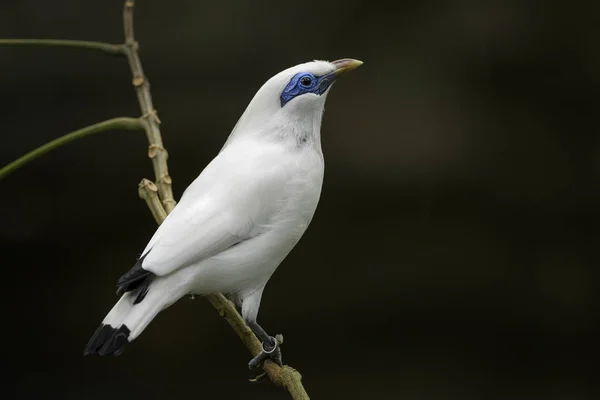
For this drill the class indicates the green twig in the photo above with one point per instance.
(109, 48)
(126, 123)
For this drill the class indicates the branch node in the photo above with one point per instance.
(167, 179)
(138, 81)
(153, 114)
(153, 150)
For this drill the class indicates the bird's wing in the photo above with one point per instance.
(222, 207)
(192, 235)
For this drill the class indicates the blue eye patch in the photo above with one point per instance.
(305, 82)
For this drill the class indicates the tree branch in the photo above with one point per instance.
(109, 48)
(126, 123)
(156, 151)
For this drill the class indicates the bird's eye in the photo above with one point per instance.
(306, 81)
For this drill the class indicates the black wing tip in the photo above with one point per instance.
(144, 287)
(97, 340)
(108, 341)
(136, 277)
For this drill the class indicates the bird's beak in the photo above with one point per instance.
(345, 65)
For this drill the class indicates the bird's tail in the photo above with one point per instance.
(127, 320)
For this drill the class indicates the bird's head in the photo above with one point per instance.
(307, 84)
(295, 95)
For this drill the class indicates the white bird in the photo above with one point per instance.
(241, 217)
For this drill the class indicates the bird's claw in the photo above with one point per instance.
(270, 350)
(258, 378)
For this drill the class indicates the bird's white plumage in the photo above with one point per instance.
(245, 212)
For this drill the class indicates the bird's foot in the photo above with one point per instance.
(271, 348)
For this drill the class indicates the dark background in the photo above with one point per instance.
(453, 251)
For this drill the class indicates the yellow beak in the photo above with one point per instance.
(345, 65)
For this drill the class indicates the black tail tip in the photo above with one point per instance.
(108, 341)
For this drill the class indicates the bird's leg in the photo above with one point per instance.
(270, 346)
